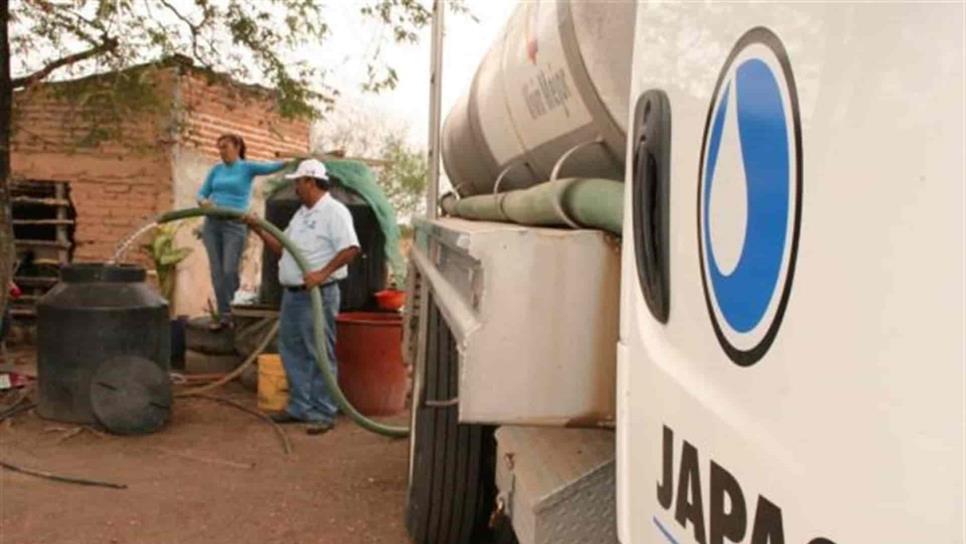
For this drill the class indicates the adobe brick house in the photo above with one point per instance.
(116, 186)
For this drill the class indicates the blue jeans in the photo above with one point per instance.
(225, 242)
(309, 398)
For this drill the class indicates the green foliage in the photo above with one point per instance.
(365, 132)
(166, 256)
(404, 18)
(404, 176)
(212, 310)
(101, 105)
(406, 232)
(252, 42)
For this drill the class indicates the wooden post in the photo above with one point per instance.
(7, 251)
(60, 193)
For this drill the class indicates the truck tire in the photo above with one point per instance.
(452, 487)
(198, 337)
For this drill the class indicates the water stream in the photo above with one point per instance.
(126, 242)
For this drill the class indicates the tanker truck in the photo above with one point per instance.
(700, 280)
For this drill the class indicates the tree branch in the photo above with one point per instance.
(191, 26)
(68, 18)
(106, 46)
(179, 15)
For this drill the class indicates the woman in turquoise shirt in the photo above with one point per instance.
(229, 185)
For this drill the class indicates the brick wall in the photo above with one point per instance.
(208, 111)
(116, 188)
(211, 110)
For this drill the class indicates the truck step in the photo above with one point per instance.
(557, 485)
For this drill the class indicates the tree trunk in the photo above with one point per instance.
(7, 249)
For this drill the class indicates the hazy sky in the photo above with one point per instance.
(354, 38)
(465, 44)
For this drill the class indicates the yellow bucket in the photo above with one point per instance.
(272, 384)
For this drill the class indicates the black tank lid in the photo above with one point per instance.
(102, 273)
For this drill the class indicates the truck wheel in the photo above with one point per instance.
(452, 487)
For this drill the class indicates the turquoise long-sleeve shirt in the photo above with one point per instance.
(230, 185)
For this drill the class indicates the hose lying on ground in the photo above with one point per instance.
(321, 356)
(58, 478)
(14, 411)
(12, 408)
(286, 443)
(266, 340)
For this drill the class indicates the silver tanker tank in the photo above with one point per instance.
(556, 81)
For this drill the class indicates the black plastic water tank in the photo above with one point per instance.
(97, 313)
(367, 273)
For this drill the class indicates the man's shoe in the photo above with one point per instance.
(319, 428)
(284, 417)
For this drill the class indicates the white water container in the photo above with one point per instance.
(556, 79)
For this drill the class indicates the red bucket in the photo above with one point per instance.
(390, 299)
(371, 370)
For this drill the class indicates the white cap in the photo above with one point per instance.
(310, 168)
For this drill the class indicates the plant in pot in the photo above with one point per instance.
(165, 256)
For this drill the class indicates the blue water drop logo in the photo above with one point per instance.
(749, 196)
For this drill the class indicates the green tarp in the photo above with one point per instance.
(358, 178)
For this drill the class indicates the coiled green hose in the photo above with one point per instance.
(321, 356)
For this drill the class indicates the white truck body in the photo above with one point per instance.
(790, 354)
(849, 426)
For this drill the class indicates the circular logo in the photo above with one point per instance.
(749, 196)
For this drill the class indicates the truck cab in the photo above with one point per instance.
(791, 354)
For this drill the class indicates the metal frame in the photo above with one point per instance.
(432, 198)
(435, 98)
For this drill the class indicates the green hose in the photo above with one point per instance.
(321, 356)
(574, 202)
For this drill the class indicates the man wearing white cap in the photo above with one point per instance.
(322, 230)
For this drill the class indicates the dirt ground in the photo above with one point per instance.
(190, 483)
